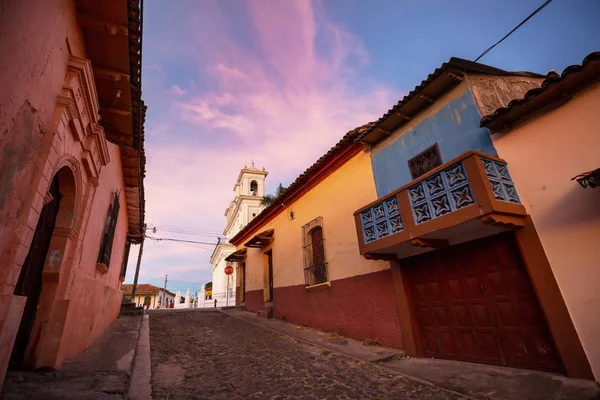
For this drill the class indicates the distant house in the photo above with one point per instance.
(149, 294)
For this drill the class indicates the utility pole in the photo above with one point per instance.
(227, 291)
(137, 268)
(165, 304)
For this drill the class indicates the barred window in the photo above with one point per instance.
(109, 231)
(425, 161)
(315, 262)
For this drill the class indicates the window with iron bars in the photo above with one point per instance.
(425, 161)
(109, 231)
(315, 262)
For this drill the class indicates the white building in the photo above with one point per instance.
(249, 191)
(146, 294)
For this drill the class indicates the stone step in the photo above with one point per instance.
(128, 310)
(266, 311)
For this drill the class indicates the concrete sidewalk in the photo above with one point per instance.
(102, 371)
(477, 380)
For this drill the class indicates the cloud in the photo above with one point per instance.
(282, 93)
(177, 90)
(152, 67)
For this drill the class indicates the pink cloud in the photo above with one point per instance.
(177, 90)
(282, 105)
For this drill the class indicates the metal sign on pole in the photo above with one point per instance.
(228, 271)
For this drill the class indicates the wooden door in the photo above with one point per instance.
(270, 259)
(30, 278)
(475, 302)
(243, 283)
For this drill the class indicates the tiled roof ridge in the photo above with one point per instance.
(456, 63)
(142, 288)
(552, 79)
(347, 139)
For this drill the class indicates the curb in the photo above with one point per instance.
(376, 363)
(141, 376)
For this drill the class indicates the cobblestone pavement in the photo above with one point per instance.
(209, 355)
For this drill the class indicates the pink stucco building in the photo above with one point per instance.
(548, 138)
(71, 172)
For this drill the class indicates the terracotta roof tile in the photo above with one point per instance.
(142, 288)
(553, 81)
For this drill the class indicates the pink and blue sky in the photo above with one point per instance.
(280, 81)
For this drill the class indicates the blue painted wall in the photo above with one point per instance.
(455, 128)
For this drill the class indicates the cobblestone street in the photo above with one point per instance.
(214, 356)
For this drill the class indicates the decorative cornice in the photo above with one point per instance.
(65, 232)
(48, 198)
(101, 268)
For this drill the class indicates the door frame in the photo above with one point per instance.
(560, 324)
(270, 283)
(33, 271)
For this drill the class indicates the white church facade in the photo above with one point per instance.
(249, 192)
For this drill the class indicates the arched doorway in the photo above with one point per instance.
(30, 279)
(57, 216)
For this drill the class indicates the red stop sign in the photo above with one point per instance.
(229, 270)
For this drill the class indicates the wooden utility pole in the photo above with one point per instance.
(165, 303)
(137, 268)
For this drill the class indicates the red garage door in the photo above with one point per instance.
(475, 302)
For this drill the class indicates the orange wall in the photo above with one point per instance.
(335, 199)
(543, 155)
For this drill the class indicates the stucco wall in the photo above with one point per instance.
(334, 199)
(543, 155)
(95, 297)
(32, 71)
(360, 302)
(452, 122)
(78, 302)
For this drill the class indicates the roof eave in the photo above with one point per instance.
(444, 78)
(555, 91)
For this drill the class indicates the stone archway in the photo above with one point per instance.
(29, 284)
(46, 333)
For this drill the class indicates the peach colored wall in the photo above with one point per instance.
(335, 199)
(543, 155)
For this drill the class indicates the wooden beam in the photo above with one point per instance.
(91, 22)
(423, 96)
(383, 257)
(453, 75)
(406, 117)
(110, 74)
(504, 221)
(384, 131)
(430, 243)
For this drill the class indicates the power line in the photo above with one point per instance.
(540, 8)
(179, 229)
(178, 240)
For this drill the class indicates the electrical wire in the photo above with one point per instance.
(186, 230)
(177, 240)
(540, 8)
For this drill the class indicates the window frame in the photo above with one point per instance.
(310, 267)
(108, 233)
(412, 161)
